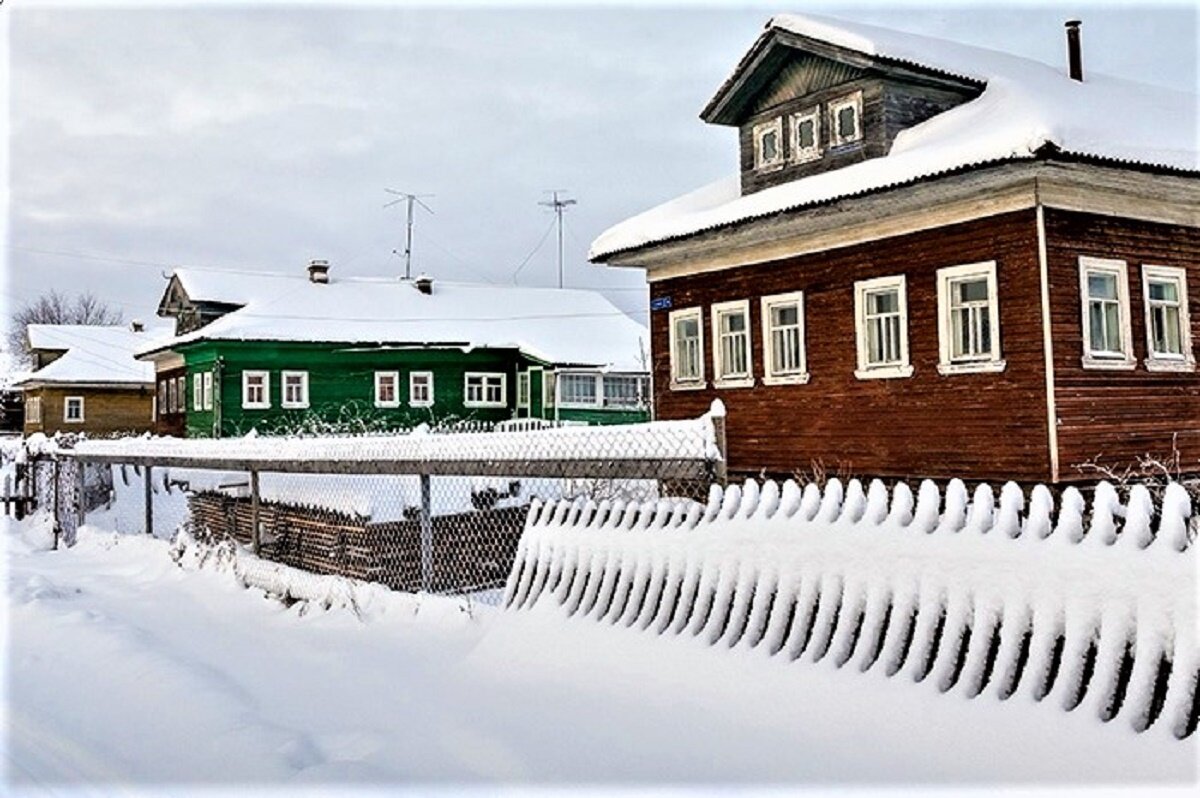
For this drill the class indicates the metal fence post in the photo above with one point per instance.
(57, 523)
(722, 469)
(426, 533)
(148, 499)
(255, 535)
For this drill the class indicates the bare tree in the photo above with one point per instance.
(56, 308)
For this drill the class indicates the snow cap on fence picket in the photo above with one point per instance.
(901, 513)
(1008, 519)
(1138, 514)
(854, 504)
(768, 500)
(716, 497)
(750, 496)
(789, 499)
(1038, 523)
(1069, 528)
(928, 510)
(877, 504)
(1176, 510)
(716, 409)
(831, 502)
(1106, 505)
(733, 500)
(810, 502)
(983, 505)
(955, 515)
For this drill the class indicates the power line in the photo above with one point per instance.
(533, 251)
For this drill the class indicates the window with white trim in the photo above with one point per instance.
(523, 389)
(783, 339)
(33, 410)
(163, 403)
(1104, 293)
(73, 410)
(484, 389)
(768, 144)
(256, 390)
(548, 390)
(387, 389)
(1168, 326)
(806, 135)
(732, 366)
(625, 390)
(295, 388)
(845, 119)
(197, 391)
(881, 319)
(420, 388)
(687, 349)
(207, 390)
(968, 319)
(577, 390)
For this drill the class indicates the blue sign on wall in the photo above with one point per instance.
(660, 303)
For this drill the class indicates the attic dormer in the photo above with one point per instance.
(804, 106)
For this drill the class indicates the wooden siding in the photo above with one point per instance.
(1112, 416)
(106, 411)
(990, 426)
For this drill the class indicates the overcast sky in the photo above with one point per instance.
(250, 137)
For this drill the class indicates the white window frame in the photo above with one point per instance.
(800, 377)
(197, 391)
(549, 389)
(379, 377)
(67, 402)
(523, 386)
(805, 154)
(741, 379)
(33, 410)
(992, 361)
(485, 376)
(1165, 361)
(412, 389)
(207, 388)
(692, 383)
(865, 370)
(643, 388)
(295, 404)
(855, 100)
(597, 390)
(246, 402)
(759, 133)
(1106, 360)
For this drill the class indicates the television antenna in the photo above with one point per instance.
(410, 200)
(559, 205)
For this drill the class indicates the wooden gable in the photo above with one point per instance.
(800, 75)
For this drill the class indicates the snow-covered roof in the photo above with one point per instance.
(93, 354)
(562, 326)
(1025, 107)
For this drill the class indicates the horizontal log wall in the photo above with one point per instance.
(974, 426)
(105, 411)
(1109, 416)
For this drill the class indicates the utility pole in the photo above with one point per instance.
(559, 205)
(409, 200)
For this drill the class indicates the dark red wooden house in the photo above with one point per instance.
(936, 260)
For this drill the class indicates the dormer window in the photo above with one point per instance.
(845, 119)
(806, 136)
(768, 144)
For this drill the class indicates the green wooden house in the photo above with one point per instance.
(288, 353)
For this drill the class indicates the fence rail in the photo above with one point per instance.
(436, 512)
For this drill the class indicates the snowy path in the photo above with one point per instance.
(127, 669)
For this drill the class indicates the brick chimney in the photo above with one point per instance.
(424, 283)
(137, 326)
(318, 271)
(1074, 50)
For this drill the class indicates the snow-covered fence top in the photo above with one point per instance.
(629, 451)
(1089, 606)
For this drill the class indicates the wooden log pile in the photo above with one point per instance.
(471, 550)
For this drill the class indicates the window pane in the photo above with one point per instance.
(733, 322)
(1164, 291)
(1112, 322)
(784, 315)
(1096, 324)
(770, 146)
(883, 302)
(971, 291)
(1102, 286)
(847, 122)
(806, 134)
(578, 388)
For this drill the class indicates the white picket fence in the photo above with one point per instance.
(1092, 607)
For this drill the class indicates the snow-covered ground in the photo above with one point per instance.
(130, 672)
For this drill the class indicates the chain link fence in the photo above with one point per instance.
(439, 513)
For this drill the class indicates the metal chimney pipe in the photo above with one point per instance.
(1074, 50)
